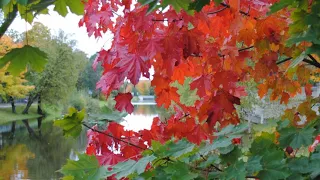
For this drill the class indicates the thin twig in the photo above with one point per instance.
(215, 12)
(246, 48)
(134, 145)
(241, 12)
(284, 60)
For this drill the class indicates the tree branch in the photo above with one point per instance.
(312, 58)
(246, 48)
(8, 21)
(131, 144)
(215, 12)
(314, 63)
(284, 60)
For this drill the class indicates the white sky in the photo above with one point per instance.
(69, 25)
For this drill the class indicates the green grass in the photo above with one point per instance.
(7, 116)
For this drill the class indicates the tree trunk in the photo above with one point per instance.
(13, 127)
(13, 107)
(30, 101)
(39, 110)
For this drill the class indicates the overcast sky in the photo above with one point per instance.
(69, 25)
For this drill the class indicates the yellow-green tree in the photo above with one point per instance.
(11, 86)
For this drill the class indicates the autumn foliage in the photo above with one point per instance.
(217, 45)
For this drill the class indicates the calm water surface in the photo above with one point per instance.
(39, 156)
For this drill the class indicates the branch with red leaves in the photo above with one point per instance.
(119, 139)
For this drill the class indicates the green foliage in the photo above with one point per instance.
(305, 26)
(198, 4)
(296, 138)
(75, 7)
(266, 159)
(71, 123)
(178, 5)
(126, 168)
(87, 167)
(19, 58)
(88, 78)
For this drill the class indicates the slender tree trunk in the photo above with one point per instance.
(39, 110)
(13, 107)
(30, 102)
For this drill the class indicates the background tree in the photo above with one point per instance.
(58, 80)
(89, 77)
(11, 87)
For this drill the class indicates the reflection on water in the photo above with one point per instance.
(141, 118)
(37, 150)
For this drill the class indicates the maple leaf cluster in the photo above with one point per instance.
(213, 47)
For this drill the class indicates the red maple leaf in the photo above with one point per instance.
(132, 65)
(123, 102)
(203, 84)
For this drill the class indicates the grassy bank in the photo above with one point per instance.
(7, 116)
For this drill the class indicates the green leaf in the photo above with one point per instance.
(295, 137)
(297, 60)
(152, 4)
(314, 49)
(124, 169)
(75, 6)
(254, 164)
(179, 148)
(220, 142)
(231, 157)
(198, 4)
(19, 58)
(179, 170)
(280, 5)
(233, 130)
(217, 2)
(235, 171)
(273, 165)
(178, 5)
(300, 165)
(212, 159)
(61, 7)
(87, 167)
(68, 178)
(3, 3)
(263, 142)
(22, 2)
(71, 123)
(187, 97)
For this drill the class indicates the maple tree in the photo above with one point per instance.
(204, 48)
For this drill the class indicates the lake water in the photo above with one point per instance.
(39, 156)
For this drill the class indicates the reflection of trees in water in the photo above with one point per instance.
(50, 149)
(145, 110)
(13, 162)
(152, 110)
